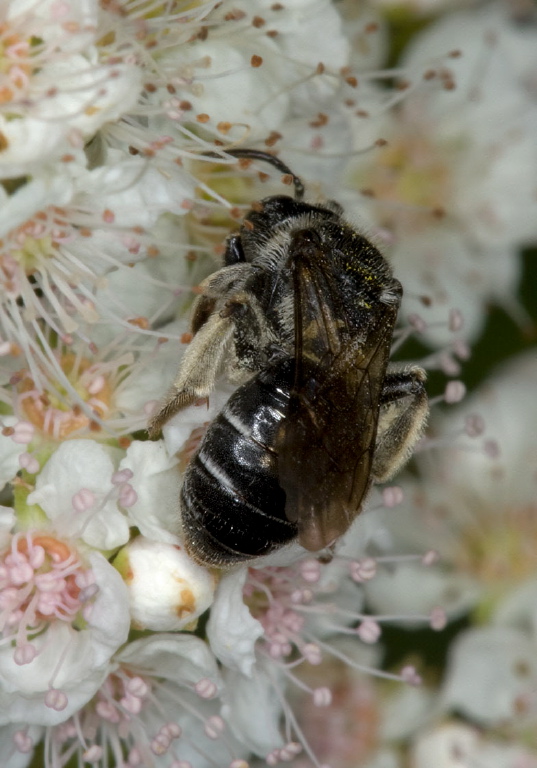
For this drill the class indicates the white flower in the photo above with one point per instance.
(309, 32)
(475, 504)
(253, 94)
(159, 707)
(299, 619)
(17, 744)
(183, 658)
(55, 666)
(491, 671)
(108, 203)
(349, 720)
(78, 491)
(231, 630)
(63, 233)
(419, 590)
(454, 186)
(103, 393)
(447, 747)
(150, 293)
(497, 477)
(57, 89)
(491, 194)
(135, 191)
(264, 57)
(454, 745)
(514, 36)
(154, 478)
(253, 709)
(167, 590)
(307, 148)
(367, 33)
(114, 221)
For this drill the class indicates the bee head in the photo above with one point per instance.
(279, 213)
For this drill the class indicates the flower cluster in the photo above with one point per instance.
(116, 648)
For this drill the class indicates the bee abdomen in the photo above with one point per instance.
(232, 505)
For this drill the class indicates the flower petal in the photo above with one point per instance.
(231, 629)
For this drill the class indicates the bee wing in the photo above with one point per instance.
(327, 442)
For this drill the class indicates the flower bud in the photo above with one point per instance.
(167, 590)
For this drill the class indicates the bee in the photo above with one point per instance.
(301, 317)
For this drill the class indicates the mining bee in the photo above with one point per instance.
(301, 316)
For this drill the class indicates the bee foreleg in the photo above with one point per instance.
(402, 418)
(199, 367)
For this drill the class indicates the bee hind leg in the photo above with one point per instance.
(402, 418)
(235, 321)
(199, 367)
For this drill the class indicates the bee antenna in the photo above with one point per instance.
(266, 157)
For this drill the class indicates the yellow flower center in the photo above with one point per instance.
(14, 63)
(409, 179)
(409, 172)
(26, 247)
(52, 411)
(500, 549)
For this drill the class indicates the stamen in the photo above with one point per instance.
(38, 586)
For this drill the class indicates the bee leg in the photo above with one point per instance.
(252, 339)
(199, 367)
(238, 321)
(403, 415)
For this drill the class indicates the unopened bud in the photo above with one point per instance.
(167, 589)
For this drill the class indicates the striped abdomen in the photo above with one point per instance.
(232, 505)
